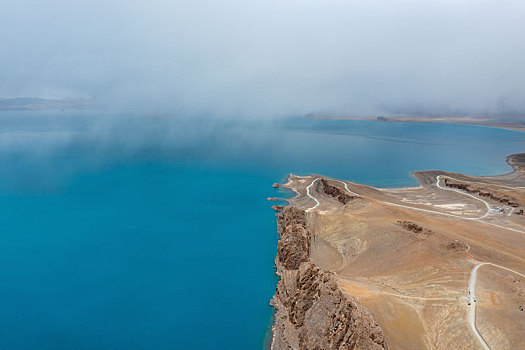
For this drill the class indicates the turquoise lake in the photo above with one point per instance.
(131, 232)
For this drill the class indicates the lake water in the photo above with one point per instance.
(131, 232)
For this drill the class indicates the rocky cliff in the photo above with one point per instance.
(335, 192)
(311, 311)
(468, 188)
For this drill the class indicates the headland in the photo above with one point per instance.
(438, 266)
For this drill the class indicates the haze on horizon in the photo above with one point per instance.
(270, 58)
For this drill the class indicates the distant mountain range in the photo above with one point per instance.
(37, 103)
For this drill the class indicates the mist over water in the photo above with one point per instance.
(299, 145)
(98, 139)
(144, 224)
(154, 232)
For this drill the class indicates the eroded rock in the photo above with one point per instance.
(311, 310)
(333, 191)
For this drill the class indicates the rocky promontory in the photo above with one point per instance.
(376, 268)
(334, 191)
(311, 310)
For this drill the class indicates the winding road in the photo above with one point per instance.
(421, 209)
(401, 205)
(438, 178)
(346, 187)
(479, 219)
(471, 298)
(315, 199)
(309, 195)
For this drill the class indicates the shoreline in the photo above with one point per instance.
(508, 159)
(516, 161)
(461, 120)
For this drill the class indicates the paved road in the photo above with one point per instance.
(448, 214)
(471, 298)
(309, 195)
(465, 194)
(485, 202)
(346, 187)
(316, 201)
(417, 209)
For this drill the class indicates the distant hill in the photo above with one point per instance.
(37, 103)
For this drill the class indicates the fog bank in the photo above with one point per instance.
(268, 59)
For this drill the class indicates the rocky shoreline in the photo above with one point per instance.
(425, 256)
(311, 311)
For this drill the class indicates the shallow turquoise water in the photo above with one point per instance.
(156, 234)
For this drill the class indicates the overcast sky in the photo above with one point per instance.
(271, 57)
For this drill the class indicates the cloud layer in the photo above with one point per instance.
(270, 58)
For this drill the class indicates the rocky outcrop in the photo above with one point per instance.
(294, 245)
(468, 188)
(457, 246)
(278, 207)
(415, 228)
(311, 310)
(333, 191)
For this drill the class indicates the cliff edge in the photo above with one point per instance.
(311, 310)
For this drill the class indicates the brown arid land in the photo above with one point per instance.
(438, 266)
(513, 123)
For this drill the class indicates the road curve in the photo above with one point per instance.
(409, 207)
(471, 298)
(346, 187)
(445, 214)
(309, 195)
(315, 199)
(438, 178)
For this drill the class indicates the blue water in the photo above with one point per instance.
(131, 232)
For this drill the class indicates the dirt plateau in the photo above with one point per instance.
(369, 268)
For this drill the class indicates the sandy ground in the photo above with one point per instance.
(407, 255)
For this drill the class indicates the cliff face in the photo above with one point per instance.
(294, 245)
(337, 193)
(311, 311)
(468, 188)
